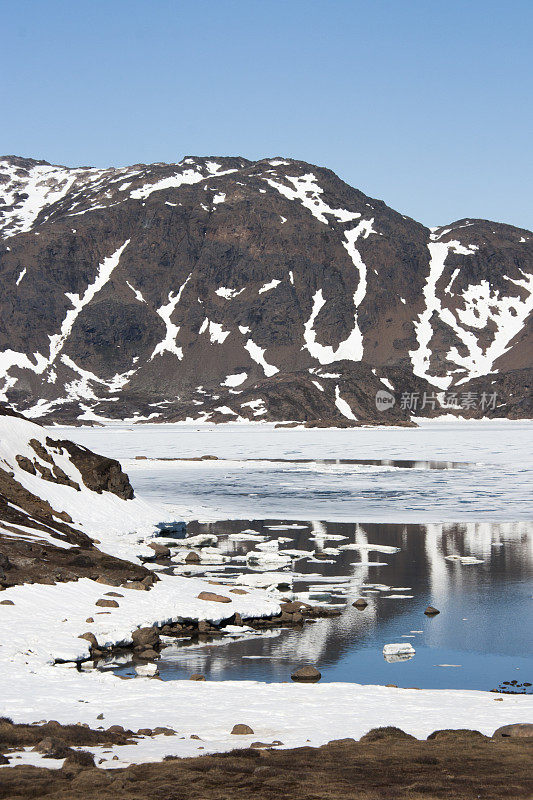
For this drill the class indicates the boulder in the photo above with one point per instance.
(107, 581)
(192, 558)
(214, 598)
(113, 594)
(7, 603)
(160, 550)
(147, 638)
(150, 654)
(306, 675)
(241, 730)
(106, 603)
(360, 603)
(197, 677)
(518, 730)
(90, 637)
(135, 585)
(293, 607)
(52, 747)
(431, 611)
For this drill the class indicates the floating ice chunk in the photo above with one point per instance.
(397, 596)
(370, 548)
(266, 560)
(247, 536)
(146, 670)
(399, 651)
(288, 526)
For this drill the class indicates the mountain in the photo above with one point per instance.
(223, 289)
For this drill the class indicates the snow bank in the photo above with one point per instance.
(121, 526)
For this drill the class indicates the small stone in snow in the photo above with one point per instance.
(106, 603)
(214, 598)
(7, 603)
(242, 730)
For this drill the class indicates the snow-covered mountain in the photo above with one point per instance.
(221, 289)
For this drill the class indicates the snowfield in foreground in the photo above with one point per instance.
(45, 621)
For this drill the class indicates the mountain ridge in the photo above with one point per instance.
(151, 290)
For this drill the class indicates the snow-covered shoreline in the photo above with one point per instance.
(46, 620)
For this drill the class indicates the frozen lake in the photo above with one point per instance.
(495, 483)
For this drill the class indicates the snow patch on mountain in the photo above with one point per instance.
(168, 344)
(257, 354)
(308, 192)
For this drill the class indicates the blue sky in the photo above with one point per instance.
(426, 104)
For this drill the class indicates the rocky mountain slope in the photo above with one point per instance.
(66, 512)
(220, 289)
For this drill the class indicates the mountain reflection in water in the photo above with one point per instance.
(481, 638)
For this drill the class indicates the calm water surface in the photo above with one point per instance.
(481, 638)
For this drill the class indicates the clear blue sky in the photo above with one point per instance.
(426, 104)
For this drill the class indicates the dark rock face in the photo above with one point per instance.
(24, 559)
(219, 288)
(100, 474)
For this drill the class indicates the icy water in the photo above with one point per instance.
(481, 639)
(371, 474)
(445, 488)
